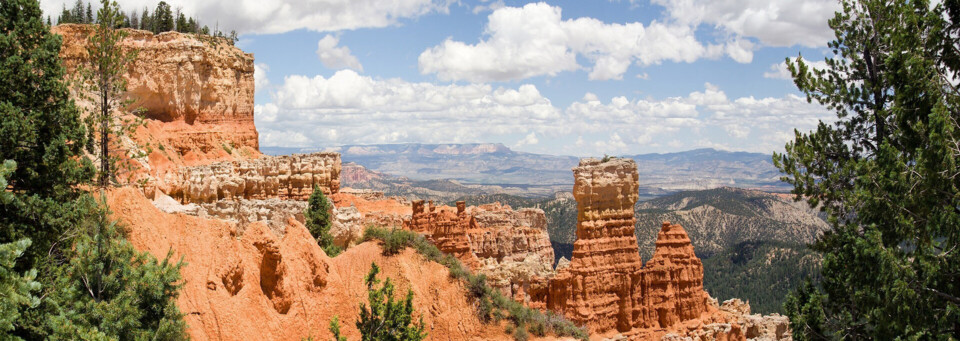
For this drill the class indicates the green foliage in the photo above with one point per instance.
(162, 18)
(335, 329)
(387, 319)
(15, 289)
(108, 290)
(490, 303)
(102, 82)
(761, 272)
(41, 131)
(885, 173)
(318, 218)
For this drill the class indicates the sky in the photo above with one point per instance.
(575, 77)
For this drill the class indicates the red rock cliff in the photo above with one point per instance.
(197, 93)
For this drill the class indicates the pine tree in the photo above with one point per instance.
(318, 221)
(16, 289)
(64, 17)
(145, 20)
(134, 20)
(162, 18)
(182, 23)
(40, 130)
(386, 319)
(88, 18)
(886, 174)
(103, 83)
(77, 13)
(110, 291)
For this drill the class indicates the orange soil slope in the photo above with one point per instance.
(259, 286)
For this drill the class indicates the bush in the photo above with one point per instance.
(386, 319)
(520, 334)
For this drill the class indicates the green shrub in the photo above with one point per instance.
(520, 334)
(386, 319)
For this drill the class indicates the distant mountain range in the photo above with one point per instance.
(498, 165)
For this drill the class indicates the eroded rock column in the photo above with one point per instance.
(598, 288)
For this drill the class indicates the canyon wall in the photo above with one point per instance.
(257, 285)
(288, 177)
(511, 247)
(195, 93)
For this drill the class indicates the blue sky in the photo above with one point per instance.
(559, 77)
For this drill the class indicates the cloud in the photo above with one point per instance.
(780, 70)
(278, 16)
(772, 22)
(530, 139)
(534, 40)
(336, 57)
(341, 109)
(260, 80)
(349, 108)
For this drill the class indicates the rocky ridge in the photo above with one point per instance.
(290, 177)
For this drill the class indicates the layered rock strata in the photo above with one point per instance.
(445, 228)
(289, 177)
(200, 88)
(511, 247)
(602, 287)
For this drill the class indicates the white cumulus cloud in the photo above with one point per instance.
(349, 108)
(534, 40)
(336, 57)
(772, 22)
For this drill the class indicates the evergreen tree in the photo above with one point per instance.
(16, 289)
(40, 130)
(134, 20)
(317, 219)
(145, 20)
(77, 13)
(110, 291)
(64, 17)
(386, 319)
(88, 17)
(182, 23)
(162, 18)
(886, 174)
(103, 83)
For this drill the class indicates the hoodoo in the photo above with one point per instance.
(601, 287)
(607, 288)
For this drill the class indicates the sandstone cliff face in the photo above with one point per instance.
(196, 93)
(445, 228)
(289, 177)
(257, 285)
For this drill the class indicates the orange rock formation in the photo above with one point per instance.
(289, 177)
(196, 94)
(257, 285)
(446, 229)
(607, 288)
